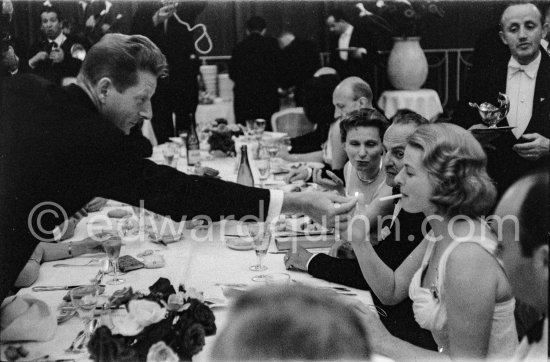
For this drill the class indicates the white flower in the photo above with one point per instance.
(141, 314)
(160, 352)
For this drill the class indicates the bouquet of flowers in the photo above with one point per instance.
(164, 325)
(221, 137)
(401, 18)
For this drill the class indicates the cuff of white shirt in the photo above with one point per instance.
(57, 234)
(309, 261)
(275, 204)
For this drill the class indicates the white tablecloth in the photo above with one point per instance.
(199, 261)
(423, 101)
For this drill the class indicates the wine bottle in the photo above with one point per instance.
(193, 147)
(244, 176)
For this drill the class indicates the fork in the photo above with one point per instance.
(92, 262)
(71, 348)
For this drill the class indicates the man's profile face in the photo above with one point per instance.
(395, 140)
(547, 22)
(344, 102)
(522, 31)
(125, 109)
(50, 24)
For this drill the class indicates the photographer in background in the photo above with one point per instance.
(9, 65)
(51, 56)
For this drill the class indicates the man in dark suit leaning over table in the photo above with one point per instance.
(525, 78)
(393, 249)
(64, 146)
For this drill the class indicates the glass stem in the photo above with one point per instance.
(260, 259)
(114, 263)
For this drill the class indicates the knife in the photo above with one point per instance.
(48, 288)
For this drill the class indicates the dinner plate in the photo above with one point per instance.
(492, 130)
(241, 243)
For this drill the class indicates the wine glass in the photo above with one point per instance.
(261, 238)
(85, 299)
(259, 127)
(112, 248)
(263, 169)
(168, 153)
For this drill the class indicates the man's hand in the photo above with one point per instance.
(323, 207)
(68, 226)
(96, 204)
(334, 183)
(57, 55)
(297, 174)
(38, 57)
(357, 53)
(164, 13)
(537, 146)
(90, 23)
(297, 260)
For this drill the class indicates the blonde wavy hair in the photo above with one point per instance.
(456, 165)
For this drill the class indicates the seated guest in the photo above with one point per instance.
(525, 258)
(51, 56)
(291, 323)
(318, 109)
(351, 94)
(524, 77)
(459, 290)
(49, 252)
(394, 246)
(87, 154)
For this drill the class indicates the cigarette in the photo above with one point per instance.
(396, 196)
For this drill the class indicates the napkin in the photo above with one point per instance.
(24, 318)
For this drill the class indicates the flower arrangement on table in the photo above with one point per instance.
(161, 326)
(401, 18)
(221, 137)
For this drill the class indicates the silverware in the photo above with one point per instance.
(278, 252)
(75, 340)
(65, 317)
(92, 262)
(49, 288)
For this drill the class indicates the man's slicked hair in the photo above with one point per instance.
(406, 116)
(119, 57)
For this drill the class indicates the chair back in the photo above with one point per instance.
(291, 121)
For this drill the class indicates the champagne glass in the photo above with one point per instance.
(168, 153)
(263, 169)
(261, 238)
(259, 127)
(112, 248)
(85, 299)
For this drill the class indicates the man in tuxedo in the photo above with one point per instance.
(525, 258)
(524, 77)
(299, 60)
(393, 249)
(255, 68)
(61, 147)
(51, 56)
(353, 50)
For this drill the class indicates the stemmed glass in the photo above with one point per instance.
(112, 248)
(261, 238)
(84, 300)
(168, 153)
(263, 169)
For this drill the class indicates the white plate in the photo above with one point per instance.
(242, 243)
(315, 164)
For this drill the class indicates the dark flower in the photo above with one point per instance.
(203, 315)
(193, 339)
(162, 289)
(105, 347)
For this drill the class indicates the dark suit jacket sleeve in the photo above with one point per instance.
(341, 271)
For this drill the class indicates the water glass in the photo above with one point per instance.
(263, 169)
(168, 153)
(85, 299)
(261, 237)
(112, 248)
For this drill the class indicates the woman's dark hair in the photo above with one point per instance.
(365, 117)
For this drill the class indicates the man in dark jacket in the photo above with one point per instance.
(254, 68)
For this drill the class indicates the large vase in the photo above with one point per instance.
(407, 64)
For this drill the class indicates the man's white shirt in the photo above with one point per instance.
(343, 42)
(520, 87)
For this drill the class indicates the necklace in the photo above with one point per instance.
(369, 180)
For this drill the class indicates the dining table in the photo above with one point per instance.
(201, 259)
